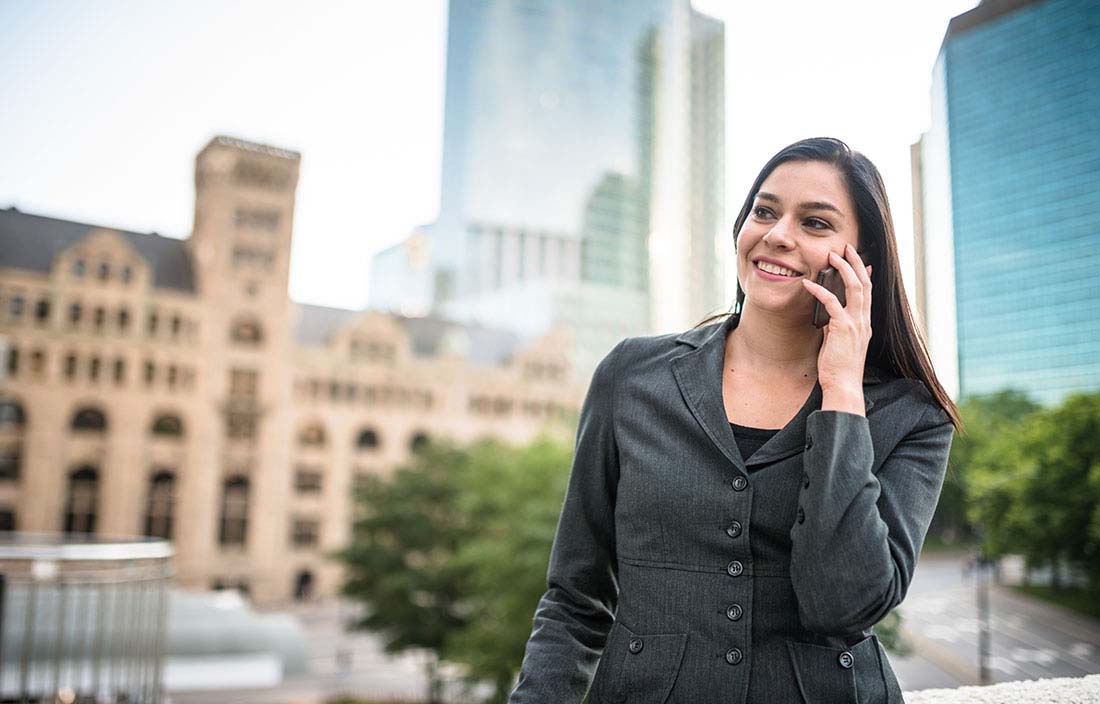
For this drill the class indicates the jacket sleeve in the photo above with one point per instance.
(574, 616)
(856, 543)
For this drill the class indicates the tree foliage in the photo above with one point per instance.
(449, 554)
(400, 561)
(1026, 480)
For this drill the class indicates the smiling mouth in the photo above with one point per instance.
(775, 270)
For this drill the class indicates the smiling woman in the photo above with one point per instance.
(749, 498)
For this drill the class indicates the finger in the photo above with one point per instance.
(858, 266)
(853, 288)
(831, 302)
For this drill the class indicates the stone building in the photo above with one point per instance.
(171, 388)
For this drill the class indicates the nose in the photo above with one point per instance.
(779, 235)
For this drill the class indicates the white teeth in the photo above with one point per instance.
(773, 269)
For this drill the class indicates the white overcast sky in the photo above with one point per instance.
(104, 106)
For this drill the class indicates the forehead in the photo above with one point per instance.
(797, 182)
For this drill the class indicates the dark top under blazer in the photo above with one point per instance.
(678, 576)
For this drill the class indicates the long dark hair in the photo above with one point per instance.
(896, 345)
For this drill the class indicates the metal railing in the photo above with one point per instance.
(82, 619)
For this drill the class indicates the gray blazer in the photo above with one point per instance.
(682, 573)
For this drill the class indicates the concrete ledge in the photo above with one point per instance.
(1066, 690)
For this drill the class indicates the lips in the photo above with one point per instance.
(756, 264)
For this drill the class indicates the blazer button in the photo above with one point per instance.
(735, 568)
(635, 646)
(734, 611)
(846, 660)
(801, 515)
(733, 656)
(734, 529)
(809, 441)
(739, 483)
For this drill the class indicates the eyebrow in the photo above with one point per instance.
(809, 205)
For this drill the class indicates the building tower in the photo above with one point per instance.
(1010, 200)
(240, 246)
(582, 176)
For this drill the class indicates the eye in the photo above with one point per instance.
(817, 224)
(761, 212)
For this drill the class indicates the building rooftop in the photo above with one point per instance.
(987, 11)
(32, 241)
(430, 336)
(255, 147)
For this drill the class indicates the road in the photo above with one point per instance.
(1029, 639)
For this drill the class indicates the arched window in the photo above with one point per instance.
(99, 318)
(303, 585)
(104, 271)
(78, 268)
(11, 415)
(80, 505)
(312, 436)
(368, 439)
(42, 310)
(160, 508)
(233, 526)
(418, 442)
(247, 332)
(89, 419)
(127, 273)
(15, 307)
(11, 459)
(12, 423)
(75, 312)
(168, 425)
(123, 319)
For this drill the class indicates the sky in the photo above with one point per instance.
(106, 104)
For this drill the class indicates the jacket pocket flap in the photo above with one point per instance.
(650, 663)
(829, 675)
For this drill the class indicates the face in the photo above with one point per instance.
(801, 213)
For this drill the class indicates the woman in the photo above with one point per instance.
(749, 498)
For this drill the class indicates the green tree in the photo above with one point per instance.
(977, 463)
(515, 495)
(400, 561)
(1061, 502)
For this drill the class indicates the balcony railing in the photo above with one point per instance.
(82, 619)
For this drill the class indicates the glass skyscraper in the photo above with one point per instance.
(583, 172)
(1010, 173)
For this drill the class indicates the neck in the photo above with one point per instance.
(773, 345)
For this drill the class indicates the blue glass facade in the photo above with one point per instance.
(1023, 127)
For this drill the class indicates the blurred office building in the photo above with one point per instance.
(1009, 206)
(170, 387)
(583, 173)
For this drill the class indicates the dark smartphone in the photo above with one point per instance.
(831, 279)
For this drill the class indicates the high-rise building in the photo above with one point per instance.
(583, 172)
(1010, 206)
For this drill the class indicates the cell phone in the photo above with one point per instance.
(831, 279)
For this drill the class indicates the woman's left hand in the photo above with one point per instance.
(844, 347)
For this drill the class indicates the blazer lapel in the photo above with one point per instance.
(699, 376)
